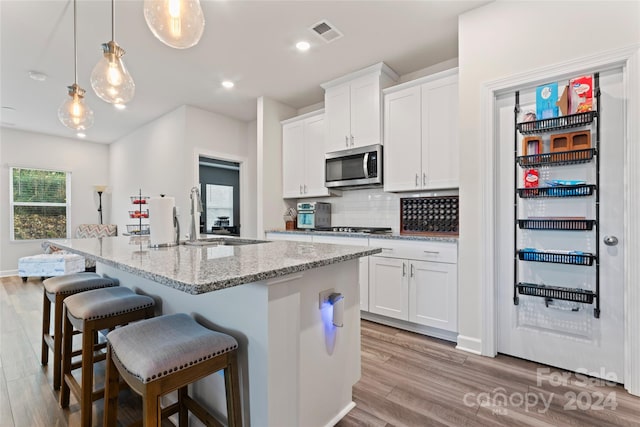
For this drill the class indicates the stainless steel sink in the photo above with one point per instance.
(221, 241)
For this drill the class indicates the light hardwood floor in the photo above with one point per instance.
(407, 380)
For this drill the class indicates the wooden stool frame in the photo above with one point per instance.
(152, 392)
(84, 391)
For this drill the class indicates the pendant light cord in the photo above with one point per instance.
(113, 20)
(75, 45)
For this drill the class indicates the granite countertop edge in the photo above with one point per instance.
(394, 236)
(229, 282)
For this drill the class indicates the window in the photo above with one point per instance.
(39, 203)
(219, 205)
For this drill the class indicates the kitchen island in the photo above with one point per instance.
(296, 367)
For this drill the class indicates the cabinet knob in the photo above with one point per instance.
(610, 240)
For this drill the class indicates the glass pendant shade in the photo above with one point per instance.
(74, 113)
(176, 23)
(110, 79)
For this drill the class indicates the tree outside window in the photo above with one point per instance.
(39, 203)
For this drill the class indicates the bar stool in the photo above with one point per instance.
(90, 312)
(164, 354)
(56, 289)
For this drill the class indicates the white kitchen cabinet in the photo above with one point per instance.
(415, 282)
(353, 106)
(421, 134)
(433, 294)
(389, 287)
(303, 156)
(363, 280)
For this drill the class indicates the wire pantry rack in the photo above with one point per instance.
(566, 224)
(576, 258)
(557, 123)
(556, 292)
(558, 158)
(558, 191)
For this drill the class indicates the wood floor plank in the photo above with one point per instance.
(6, 416)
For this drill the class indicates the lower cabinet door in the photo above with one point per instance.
(389, 287)
(364, 283)
(433, 294)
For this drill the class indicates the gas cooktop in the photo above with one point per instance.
(369, 230)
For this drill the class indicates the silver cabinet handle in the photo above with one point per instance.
(412, 270)
(305, 189)
(300, 188)
(424, 178)
(387, 249)
(416, 180)
(404, 269)
(352, 140)
(431, 252)
(346, 140)
(610, 240)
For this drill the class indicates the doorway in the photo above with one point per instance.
(220, 193)
(558, 333)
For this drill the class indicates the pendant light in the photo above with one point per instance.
(74, 113)
(110, 79)
(176, 23)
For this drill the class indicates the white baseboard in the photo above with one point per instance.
(340, 415)
(409, 326)
(7, 273)
(470, 345)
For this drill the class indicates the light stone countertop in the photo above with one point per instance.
(201, 269)
(392, 236)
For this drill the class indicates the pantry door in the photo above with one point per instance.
(559, 333)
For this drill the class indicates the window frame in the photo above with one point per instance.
(13, 203)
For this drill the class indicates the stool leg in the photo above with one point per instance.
(66, 361)
(151, 408)
(111, 390)
(46, 325)
(86, 401)
(232, 384)
(183, 415)
(57, 340)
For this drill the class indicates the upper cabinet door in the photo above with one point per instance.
(293, 159)
(314, 155)
(365, 111)
(338, 118)
(402, 136)
(440, 142)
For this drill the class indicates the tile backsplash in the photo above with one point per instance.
(371, 207)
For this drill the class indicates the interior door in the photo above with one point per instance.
(559, 333)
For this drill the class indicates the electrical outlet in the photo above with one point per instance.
(324, 297)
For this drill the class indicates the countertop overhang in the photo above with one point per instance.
(200, 269)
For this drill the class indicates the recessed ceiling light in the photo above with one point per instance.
(81, 135)
(228, 84)
(37, 76)
(303, 46)
(120, 106)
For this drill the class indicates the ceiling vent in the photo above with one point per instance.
(326, 31)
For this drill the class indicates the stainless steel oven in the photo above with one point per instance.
(355, 167)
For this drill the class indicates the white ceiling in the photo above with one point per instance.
(250, 42)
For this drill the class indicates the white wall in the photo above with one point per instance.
(270, 205)
(499, 40)
(223, 138)
(88, 164)
(162, 158)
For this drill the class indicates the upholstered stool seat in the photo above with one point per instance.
(90, 312)
(56, 289)
(50, 265)
(164, 354)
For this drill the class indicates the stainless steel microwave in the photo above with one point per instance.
(355, 167)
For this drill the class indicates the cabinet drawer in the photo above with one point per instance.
(417, 249)
(336, 240)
